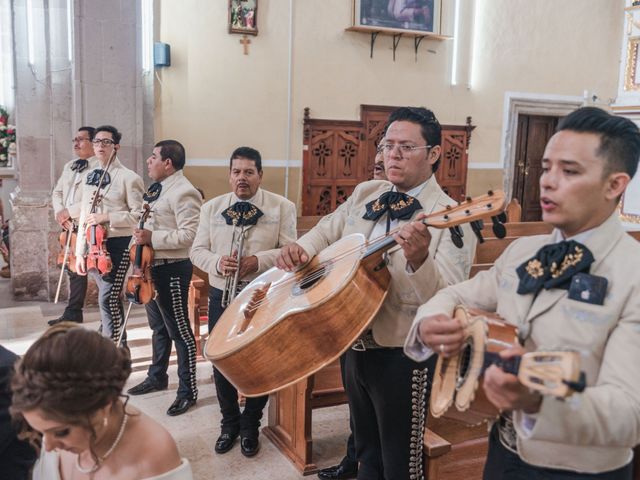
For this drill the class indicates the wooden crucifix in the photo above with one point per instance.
(245, 43)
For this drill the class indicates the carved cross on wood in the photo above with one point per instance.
(245, 43)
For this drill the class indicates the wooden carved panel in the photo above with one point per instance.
(339, 154)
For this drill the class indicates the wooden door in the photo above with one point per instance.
(534, 131)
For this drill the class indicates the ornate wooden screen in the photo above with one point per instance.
(339, 154)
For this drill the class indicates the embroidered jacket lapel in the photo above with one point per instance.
(600, 242)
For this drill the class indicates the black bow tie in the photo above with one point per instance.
(553, 266)
(399, 205)
(152, 194)
(79, 165)
(242, 214)
(94, 178)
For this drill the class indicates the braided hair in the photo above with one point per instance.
(69, 373)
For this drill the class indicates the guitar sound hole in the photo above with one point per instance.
(310, 280)
(465, 363)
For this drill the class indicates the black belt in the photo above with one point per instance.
(367, 342)
(166, 261)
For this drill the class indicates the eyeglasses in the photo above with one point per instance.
(79, 140)
(404, 148)
(104, 141)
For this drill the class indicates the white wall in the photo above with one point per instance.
(214, 98)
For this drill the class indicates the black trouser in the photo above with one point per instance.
(503, 464)
(247, 422)
(350, 460)
(110, 288)
(169, 320)
(77, 293)
(388, 395)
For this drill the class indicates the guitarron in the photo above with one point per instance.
(285, 326)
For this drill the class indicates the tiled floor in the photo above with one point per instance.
(195, 431)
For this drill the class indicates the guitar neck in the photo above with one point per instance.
(470, 211)
(510, 365)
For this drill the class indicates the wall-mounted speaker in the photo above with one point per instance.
(161, 54)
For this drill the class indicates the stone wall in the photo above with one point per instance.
(103, 83)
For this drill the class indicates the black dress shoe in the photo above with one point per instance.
(147, 386)
(180, 406)
(249, 446)
(56, 321)
(338, 472)
(225, 442)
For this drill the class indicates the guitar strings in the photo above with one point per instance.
(275, 291)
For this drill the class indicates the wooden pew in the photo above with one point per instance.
(198, 307)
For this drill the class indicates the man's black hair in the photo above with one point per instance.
(173, 150)
(248, 153)
(116, 136)
(429, 125)
(619, 137)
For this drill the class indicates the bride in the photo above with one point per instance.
(67, 396)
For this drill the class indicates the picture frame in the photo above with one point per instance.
(421, 16)
(631, 72)
(630, 202)
(243, 17)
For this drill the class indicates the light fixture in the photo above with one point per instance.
(456, 44)
(147, 35)
(30, 34)
(70, 30)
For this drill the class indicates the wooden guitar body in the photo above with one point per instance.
(458, 380)
(295, 323)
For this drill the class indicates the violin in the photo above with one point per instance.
(96, 235)
(98, 257)
(140, 289)
(67, 241)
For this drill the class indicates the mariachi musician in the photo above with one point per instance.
(388, 392)
(117, 209)
(577, 288)
(170, 230)
(66, 206)
(260, 222)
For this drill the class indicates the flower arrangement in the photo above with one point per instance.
(7, 138)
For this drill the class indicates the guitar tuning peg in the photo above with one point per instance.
(499, 230)
(502, 217)
(477, 227)
(456, 236)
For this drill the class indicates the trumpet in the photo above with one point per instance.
(231, 282)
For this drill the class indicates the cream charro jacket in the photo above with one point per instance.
(67, 192)
(446, 264)
(122, 200)
(594, 433)
(277, 227)
(174, 217)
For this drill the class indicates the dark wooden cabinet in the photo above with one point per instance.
(339, 154)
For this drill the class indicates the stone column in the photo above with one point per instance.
(101, 84)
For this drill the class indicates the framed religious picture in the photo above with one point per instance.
(410, 15)
(630, 204)
(631, 73)
(243, 17)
